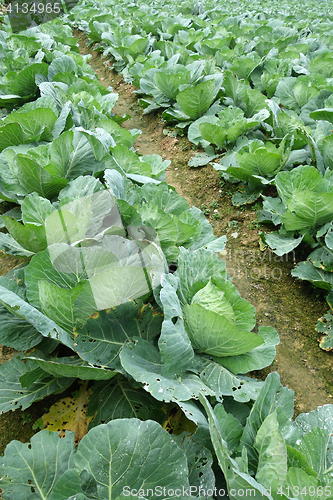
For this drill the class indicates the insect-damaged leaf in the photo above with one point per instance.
(118, 398)
(69, 414)
(13, 395)
(101, 339)
(143, 362)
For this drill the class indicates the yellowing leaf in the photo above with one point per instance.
(176, 421)
(69, 414)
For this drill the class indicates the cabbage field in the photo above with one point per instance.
(120, 297)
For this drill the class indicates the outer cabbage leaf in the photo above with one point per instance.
(17, 333)
(298, 478)
(143, 362)
(38, 320)
(261, 162)
(308, 210)
(11, 135)
(281, 244)
(235, 472)
(117, 398)
(163, 84)
(130, 453)
(225, 383)
(36, 125)
(303, 178)
(41, 268)
(316, 440)
(194, 134)
(70, 366)
(257, 358)
(105, 333)
(318, 277)
(273, 397)
(52, 476)
(47, 169)
(13, 395)
(231, 428)
(25, 236)
(11, 247)
(174, 344)
(272, 463)
(230, 126)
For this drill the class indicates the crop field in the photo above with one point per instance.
(166, 288)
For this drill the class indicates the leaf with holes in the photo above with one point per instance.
(143, 362)
(118, 398)
(69, 414)
(44, 467)
(102, 338)
(13, 395)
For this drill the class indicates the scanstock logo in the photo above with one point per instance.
(87, 239)
(27, 14)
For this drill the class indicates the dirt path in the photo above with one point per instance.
(261, 277)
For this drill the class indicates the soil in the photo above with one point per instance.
(261, 277)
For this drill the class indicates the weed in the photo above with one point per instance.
(254, 224)
(205, 210)
(216, 216)
(222, 181)
(26, 418)
(231, 189)
(257, 206)
(39, 424)
(214, 204)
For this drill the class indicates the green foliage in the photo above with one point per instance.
(96, 301)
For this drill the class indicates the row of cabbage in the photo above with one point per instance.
(252, 85)
(94, 303)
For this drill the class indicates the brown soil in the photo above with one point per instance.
(261, 277)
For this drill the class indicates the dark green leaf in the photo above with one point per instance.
(102, 338)
(119, 399)
(13, 395)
